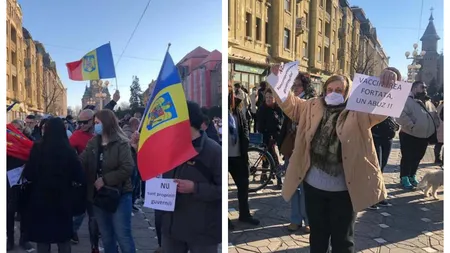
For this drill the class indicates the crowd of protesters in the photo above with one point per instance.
(88, 165)
(319, 144)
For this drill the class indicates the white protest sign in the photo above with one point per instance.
(14, 176)
(367, 95)
(283, 82)
(160, 194)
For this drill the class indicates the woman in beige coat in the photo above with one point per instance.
(335, 158)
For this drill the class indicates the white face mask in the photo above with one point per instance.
(334, 99)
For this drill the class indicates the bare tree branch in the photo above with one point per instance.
(363, 62)
(51, 98)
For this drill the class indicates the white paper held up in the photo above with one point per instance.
(14, 176)
(368, 95)
(283, 82)
(160, 194)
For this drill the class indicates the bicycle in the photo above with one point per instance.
(258, 181)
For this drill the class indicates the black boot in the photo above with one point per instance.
(10, 243)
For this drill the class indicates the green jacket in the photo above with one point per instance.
(117, 166)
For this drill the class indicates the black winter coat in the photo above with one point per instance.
(270, 120)
(49, 206)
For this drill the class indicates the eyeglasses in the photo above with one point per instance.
(83, 122)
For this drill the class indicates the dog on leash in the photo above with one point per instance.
(431, 182)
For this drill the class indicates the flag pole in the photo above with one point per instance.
(147, 107)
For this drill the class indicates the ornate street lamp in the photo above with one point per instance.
(414, 67)
(91, 101)
(100, 85)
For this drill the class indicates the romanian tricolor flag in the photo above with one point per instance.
(17, 145)
(95, 65)
(165, 139)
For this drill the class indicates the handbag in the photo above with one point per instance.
(432, 140)
(106, 198)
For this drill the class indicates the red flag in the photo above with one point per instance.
(17, 144)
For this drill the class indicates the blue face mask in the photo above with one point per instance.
(98, 128)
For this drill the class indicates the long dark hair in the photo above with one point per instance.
(41, 126)
(306, 84)
(55, 153)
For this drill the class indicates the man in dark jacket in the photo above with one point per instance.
(195, 225)
(30, 122)
(209, 127)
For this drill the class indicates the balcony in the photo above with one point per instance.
(326, 41)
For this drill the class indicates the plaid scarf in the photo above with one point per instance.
(325, 147)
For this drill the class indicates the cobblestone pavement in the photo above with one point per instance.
(412, 224)
(144, 234)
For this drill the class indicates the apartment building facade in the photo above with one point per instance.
(323, 35)
(27, 76)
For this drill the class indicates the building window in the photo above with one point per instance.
(258, 29)
(320, 25)
(244, 80)
(306, 20)
(319, 53)
(348, 28)
(305, 50)
(287, 38)
(287, 5)
(321, 3)
(332, 58)
(333, 36)
(237, 77)
(248, 24)
(267, 32)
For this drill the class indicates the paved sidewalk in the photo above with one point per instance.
(144, 233)
(412, 224)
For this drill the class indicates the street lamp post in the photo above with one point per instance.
(414, 67)
(100, 85)
(91, 101)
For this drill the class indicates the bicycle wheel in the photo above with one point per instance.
(259, 177)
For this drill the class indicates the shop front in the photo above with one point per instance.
(248, 76)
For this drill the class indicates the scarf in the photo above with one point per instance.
(232, 128)
(325, 146)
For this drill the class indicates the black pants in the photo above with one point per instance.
(64, 247)
(238, 169)
(158, 216)
(383, 148)
(437, 151)
(12, 208)
(330, 214)
(413, 149)
(143, 189)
